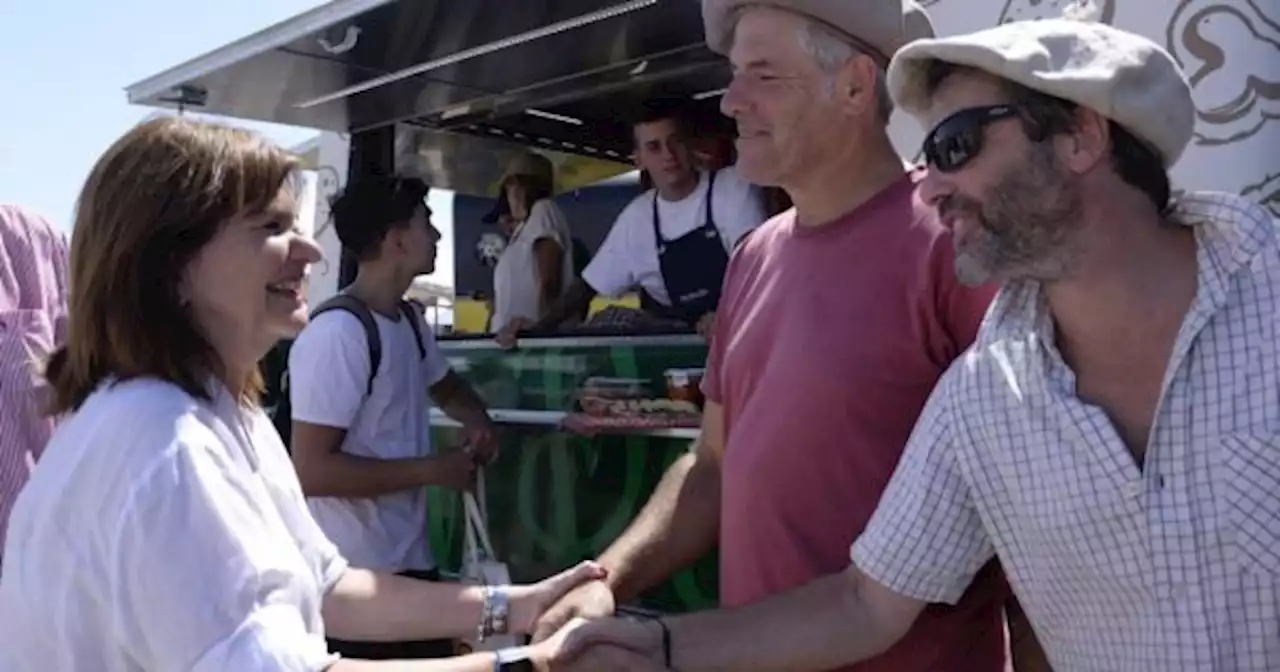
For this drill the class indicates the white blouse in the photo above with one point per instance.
(516, 290)
(160, 532)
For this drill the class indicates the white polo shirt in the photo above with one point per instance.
(515, 278)
(628, 257)
(328, 379)
(162, 532)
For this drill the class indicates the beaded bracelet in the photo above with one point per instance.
(495, 613)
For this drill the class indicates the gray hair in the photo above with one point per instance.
(830, 50)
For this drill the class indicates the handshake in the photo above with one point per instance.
(575, 629)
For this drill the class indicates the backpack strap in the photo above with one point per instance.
(412, 311)
(357, 307)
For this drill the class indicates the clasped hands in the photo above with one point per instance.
(579, 633)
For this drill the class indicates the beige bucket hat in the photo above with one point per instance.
(530, 164)
(878, 26)
(1122, 76)
(527, 163)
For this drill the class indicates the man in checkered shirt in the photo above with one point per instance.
(1112, 435)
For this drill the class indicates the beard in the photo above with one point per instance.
(1023, 225)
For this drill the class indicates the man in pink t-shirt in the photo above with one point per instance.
(836, 320)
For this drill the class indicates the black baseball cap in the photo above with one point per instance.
(500, 209)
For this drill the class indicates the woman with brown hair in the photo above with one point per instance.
(164, 527)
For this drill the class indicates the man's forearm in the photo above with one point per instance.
(371, 606)
(458, 400)
(356, 477)
(823, 625)
(677, 526)
(575, 301)
(468, 409)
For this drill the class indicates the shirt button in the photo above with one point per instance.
(1134, 489)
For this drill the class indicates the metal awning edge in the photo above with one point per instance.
(282, 33)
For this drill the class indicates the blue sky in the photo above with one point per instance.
(63, 68)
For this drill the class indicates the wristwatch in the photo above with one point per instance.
(512, 659)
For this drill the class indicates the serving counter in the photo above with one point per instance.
(558, 496)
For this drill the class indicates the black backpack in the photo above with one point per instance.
(276, 367)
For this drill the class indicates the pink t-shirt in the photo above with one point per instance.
(828, 342)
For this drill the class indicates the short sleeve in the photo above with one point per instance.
(613, 269)
(712, 387)
(329, 370)
(926, 539)
(712, 378)
(200, 582)
(435, 365)
(542, 224)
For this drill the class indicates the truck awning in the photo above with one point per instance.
(261, 76)
(560, 75)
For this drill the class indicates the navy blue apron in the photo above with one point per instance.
(692, 266)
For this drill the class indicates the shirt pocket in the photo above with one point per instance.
(1252, 501)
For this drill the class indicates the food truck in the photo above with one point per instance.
(449, 91)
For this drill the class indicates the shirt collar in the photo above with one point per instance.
(1231, 232)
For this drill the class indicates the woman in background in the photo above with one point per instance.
(164, 527)
(33, 306)
(537, 264)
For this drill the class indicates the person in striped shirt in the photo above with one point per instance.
(33, 305)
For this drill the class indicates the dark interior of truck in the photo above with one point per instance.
(475, 79)
(451, 91)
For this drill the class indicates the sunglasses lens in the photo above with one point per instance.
(956, 149)
(958, 139)
(952, 145)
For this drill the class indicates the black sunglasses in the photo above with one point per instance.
(957, 139)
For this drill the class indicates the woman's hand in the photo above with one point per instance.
(528, 602)
(592, 599)
(510, 332)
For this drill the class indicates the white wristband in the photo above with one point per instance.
(511, 654)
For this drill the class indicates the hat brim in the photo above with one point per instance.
(1122, 76)
(879, 33)
(499, 209)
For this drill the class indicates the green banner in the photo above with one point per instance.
(556, 498)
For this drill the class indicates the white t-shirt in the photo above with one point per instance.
(628, 257)
(515, 278)
(328, 379)
(162, 532)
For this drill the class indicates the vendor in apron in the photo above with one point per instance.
(671, 243)
(691, 267)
